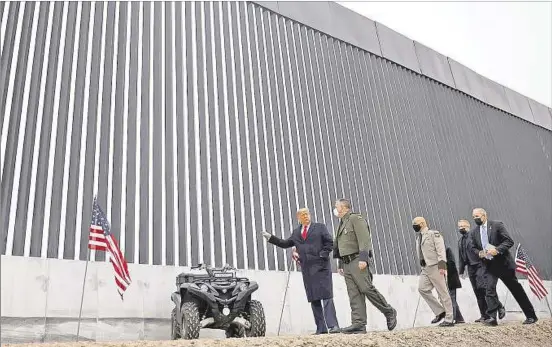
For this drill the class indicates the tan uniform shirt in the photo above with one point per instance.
(431, 248)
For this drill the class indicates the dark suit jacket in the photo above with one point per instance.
(472, 259)
(452, 274)
(498, 237)
(314, 255)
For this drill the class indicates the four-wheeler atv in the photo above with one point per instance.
(215, 298)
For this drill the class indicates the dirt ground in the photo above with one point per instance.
(506, 334)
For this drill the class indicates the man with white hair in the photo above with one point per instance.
(491, 242)
(313, 245)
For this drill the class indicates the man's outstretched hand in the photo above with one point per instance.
(266, 235)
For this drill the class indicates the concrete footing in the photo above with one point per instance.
(41, 300)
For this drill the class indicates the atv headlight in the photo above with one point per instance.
(240, 287)
(204, 288)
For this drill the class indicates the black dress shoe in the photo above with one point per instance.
(501, 312)
(354, 329)
(490, 322)
(334, 330)
(531, 320)
(438, 318)
(460, 322)
(392, 320)
(446, 324)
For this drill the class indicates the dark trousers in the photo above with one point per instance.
(455, 309)
(325, 316)
(478, 287)
(508, 277)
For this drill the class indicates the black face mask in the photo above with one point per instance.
(478, 221)
(463, 231)
(416, 227)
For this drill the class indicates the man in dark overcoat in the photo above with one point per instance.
(313, 244)
(453, 283)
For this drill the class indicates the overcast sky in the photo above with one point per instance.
(508, 42)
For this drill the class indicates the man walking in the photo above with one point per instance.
(312, 246)
(468, 259)
(431, 253)
(453, 283)
(353, 248)
(491, 242)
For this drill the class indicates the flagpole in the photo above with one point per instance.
(82, 295)
(285, 294)
(416, 312)
(548, 303)
(506, 299)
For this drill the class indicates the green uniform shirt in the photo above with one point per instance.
(353, 236)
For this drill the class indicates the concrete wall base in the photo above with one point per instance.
(41, 300)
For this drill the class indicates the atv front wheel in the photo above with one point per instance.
(256, 319)
(175, 329)
(189, 328)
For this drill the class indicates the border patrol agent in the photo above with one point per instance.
(353, 248)
(430, 247)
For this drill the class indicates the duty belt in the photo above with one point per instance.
(346, 259)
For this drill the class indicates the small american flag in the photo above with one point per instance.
(524, 266)
(101, 239)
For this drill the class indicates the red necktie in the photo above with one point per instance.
(304, 234)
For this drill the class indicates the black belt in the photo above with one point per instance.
(349, 258)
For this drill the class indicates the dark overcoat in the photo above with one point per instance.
(314, 256)
(453, 280)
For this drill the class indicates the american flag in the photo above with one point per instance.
(524, 266)
(101, 239)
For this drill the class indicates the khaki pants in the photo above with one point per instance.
(431, 278)
(360, 287)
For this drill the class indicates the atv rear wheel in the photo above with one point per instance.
(175, 328)
(256, 319)
(189, 328)
(235, 331)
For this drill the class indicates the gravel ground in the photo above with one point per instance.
(506, 334)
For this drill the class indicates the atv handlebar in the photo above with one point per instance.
(210, 269)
